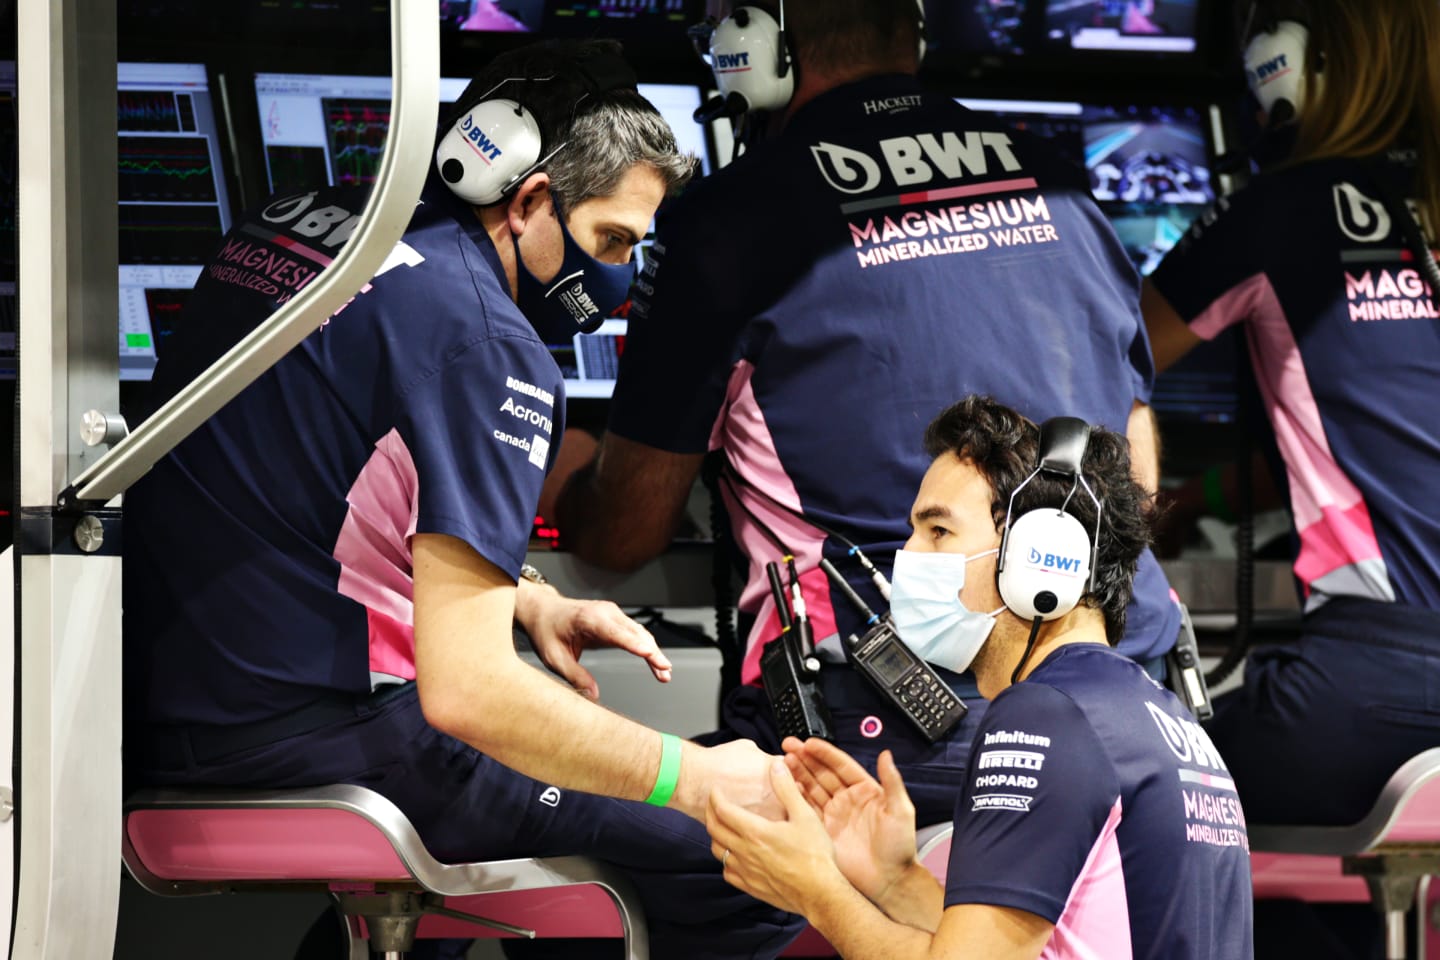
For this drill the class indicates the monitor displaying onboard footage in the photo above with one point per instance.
(173, 202)
(1150, 174)
(1155, 26)
(979, 26)
(498, 16)
(630, 18)
(1148, 165)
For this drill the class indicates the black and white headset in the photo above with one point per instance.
(1047, 557)
(749, 54)
(1275, 61)
(495, 143)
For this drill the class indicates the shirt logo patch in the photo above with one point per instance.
(1186, 739)
(539, 451)
(1001, 801)
(551, 797)
(1361, 219)
(1011, 760)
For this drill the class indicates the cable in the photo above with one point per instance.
(1029, 647)
(1244, 537)
(1414, 236)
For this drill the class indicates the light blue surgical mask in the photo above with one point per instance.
(928, 613)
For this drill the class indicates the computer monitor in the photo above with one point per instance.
(623, 18)
(1153, 26)
(979, 26)
(327, 128)
(173, 203)
(497, 16)
(1150, 174)
(1148, 165)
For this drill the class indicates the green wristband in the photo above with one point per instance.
(1215, 496)
(669, 774)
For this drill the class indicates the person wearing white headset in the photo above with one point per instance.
(1096, 819)
(346, 616)
(1324, 260)
(879, 251)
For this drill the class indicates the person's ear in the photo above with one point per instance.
(533, 197)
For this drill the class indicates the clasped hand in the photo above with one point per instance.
(840, 824)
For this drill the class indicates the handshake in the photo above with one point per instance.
(837, 827)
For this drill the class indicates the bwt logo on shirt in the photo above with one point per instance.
(1361, 218)
(1186, 739)
(916, 160)
(1052, 561)
(732, 62)
(486, 146)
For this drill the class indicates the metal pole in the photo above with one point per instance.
(415, 55)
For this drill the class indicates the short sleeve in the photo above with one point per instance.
(479, 430)
(1038, 793)
(1204, 277)
(685, 322)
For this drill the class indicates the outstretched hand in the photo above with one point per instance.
(562, 629)
(870, 822)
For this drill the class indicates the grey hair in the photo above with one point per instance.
(604, 142)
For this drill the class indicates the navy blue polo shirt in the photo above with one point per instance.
(1343, 338)
(267, 558)
(1094, 801)
(812, 307)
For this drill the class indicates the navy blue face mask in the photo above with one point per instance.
(583, 294)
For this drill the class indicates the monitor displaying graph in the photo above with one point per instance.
(173, 203)
(327, 129)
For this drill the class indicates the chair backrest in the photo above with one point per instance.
(1407, 811)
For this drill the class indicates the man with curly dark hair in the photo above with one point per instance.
(1096, 818)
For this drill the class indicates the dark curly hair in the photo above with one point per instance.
(1004, 446)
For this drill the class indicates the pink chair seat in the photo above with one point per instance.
(347, 839)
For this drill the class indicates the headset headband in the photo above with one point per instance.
(1063, 442)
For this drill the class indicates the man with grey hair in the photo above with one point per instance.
(347, 615)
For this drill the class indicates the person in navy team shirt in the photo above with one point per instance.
(321, 581)
(1316, 260)
(1095, 819)
(812, 304)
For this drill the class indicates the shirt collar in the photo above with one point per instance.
(822, 110)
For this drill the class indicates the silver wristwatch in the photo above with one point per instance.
(531, 573)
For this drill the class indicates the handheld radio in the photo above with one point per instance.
(1187, 680)
(789, 674)
(905, 681)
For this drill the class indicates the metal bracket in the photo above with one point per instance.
(393, 918)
